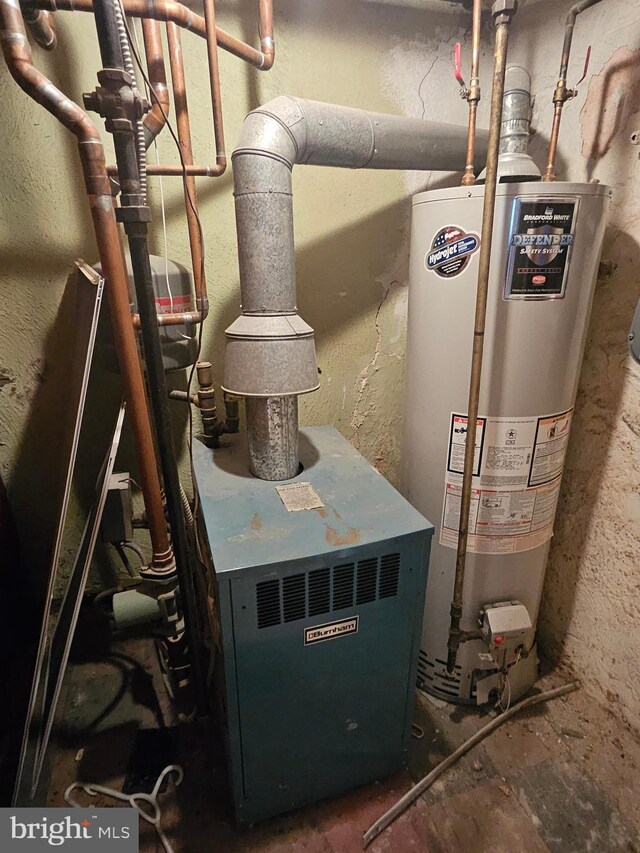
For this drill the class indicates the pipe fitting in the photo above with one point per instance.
(503, 10)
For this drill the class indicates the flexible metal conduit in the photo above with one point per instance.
(17, 54)
(270, 355)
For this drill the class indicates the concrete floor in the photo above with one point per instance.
(561, 777)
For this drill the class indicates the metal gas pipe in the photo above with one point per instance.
(502, 11)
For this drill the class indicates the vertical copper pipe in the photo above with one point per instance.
(502, 14)
(473, 96)
(17, 54)
(184, 138)
(214, 84)
(155, 119)
(266, 34)
(561, 93)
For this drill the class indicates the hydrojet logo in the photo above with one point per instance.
(451, 251)
(72, 829)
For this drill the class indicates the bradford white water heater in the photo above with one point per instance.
(547, 239)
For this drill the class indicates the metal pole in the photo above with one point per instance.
(502, 11)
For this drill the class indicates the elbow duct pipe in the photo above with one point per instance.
(270, 351)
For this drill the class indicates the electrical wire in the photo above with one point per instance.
(413, 793)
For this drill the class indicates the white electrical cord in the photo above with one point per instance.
(150, 811)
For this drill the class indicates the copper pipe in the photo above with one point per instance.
(561, 93)
(172, 170)
(473, 95)
(156, 118)
(190, 193)
(42, 27)
(216, 107)
(214, 84)
(167, 10)
(184, 137)
(17, 54)
(502, 12)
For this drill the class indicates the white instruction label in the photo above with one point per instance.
(516, 482)
(298, 496)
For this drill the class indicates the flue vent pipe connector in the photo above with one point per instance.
(514, 163)
(270, 350)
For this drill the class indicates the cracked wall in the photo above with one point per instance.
(591, 604)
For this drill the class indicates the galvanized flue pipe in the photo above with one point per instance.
(270, 349)
(17, 54)
(502, 11)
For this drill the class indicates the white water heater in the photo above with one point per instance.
(547, 240)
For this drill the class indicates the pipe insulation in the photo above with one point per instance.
(270, 349)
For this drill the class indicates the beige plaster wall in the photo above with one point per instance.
(591, 606)
(351, 232)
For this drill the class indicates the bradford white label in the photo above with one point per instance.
(330, 630)
(540, 242)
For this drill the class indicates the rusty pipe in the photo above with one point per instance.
(473, 95)
(167, 10)
(156, 118)
(17, 54)
(561, 93)
(42, 27)
(503, 10)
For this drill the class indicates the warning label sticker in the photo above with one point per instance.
(458, 443)
(299, 496)
(516, 482)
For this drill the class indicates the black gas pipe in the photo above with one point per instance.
(116, 100)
